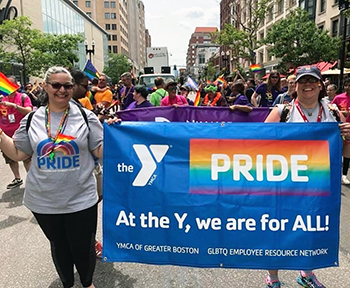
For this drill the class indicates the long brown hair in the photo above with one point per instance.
(269, 83)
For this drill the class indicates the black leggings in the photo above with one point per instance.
(72, 239)
(346, 162)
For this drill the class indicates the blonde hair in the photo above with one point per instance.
(291, 77)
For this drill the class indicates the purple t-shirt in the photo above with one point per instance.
(267, 97)
(241, 100)
(144, 104)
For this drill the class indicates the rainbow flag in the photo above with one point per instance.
(255, 68)
(221, 80)
(90, 70)
(64, 138)
(197, 99)
(6, 86)
(89, 95)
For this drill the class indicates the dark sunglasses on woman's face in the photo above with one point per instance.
(58, 86)
(303, 80)
(275, 77)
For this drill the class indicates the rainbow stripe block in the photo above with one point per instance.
(286, 167)
(255, 68)
(6, 86)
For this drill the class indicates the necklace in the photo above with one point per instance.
(301, 109)
(208, 102)
(60, 129)
(309, 111)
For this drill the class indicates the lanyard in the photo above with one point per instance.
(319, 116)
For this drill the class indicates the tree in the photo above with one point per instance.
(52, 49)
(117, 64)
(241, 36)
(17, 43)
(297, 41)
(209, 72)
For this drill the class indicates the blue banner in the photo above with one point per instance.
(234, 195)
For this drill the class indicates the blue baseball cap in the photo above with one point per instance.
(308, 71)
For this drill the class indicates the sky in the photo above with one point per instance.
(171, 23)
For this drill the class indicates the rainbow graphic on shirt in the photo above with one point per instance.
(286, 167)
(66, 155)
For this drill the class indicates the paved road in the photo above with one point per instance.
(26, 262)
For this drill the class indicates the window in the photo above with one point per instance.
(106, 4)
(109, 37)
(112, 4)
(107, 16)
(113, 15)
(109, 48)
(201, 59)
(270, 16)
(88, 14)
(75, 2)
(335, 27)
(114, 26)
(114, 37)
(261, 57)
(322, 6)
(108, 26)
(262, 35)
(87, 4)
(321, 27)
(280, 6)
(115, 49)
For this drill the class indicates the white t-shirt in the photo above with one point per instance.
(66, 183)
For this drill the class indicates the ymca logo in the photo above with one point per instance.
(148, 161)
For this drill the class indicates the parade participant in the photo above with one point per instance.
(308, 107)
(13, 109)
(268, 91)
(343, 103)
(126, 95)
(103, 96)
(286, 97)
(61, 188)
(160, 93)
(331, 92)
(140, 97)
(213, 98)
(239, 101)
(33, 92)
(250, 89)
(172, 99)
(81, 84)
(184, 90)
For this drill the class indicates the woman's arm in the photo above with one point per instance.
(8, 147)
(274, 116)
(244, 108)
(254, 102)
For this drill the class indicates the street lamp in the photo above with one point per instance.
(225, 58)
(89, 51)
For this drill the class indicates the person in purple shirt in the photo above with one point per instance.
(239, 100)
(140, 97)
(268, 91)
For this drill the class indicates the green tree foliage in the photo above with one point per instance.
(209, 72)
(16, 45)
(297, 41)
(241, 38)
(117, 64)
(61, 50)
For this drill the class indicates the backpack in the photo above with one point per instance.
(30, 117)
(287, 107)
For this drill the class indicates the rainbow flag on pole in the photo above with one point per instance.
(6, 86)
(255, 68)
(221, 80)
(197, 99)
(90, 70)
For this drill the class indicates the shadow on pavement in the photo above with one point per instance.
(14, 197)
(106, 276)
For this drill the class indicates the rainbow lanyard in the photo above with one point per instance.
(319, 116)
(60, 128)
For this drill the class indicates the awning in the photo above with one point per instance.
(325, 66)
(335, 71)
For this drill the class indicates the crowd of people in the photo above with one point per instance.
(68, 110)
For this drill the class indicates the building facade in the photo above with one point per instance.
(63, 17)
(201, 35)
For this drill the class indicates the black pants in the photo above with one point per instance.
(72, 239)
(346, 162)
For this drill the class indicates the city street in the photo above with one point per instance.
(26, 260)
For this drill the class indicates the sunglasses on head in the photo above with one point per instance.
(58, 86)
(303, 80)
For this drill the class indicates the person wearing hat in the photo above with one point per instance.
(140, 97)
(213, 97)
(343, 103)
(172, 99)
(184, 90)
(309, 106)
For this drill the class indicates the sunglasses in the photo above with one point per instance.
(303, 80)
(275, 77)
(58, 86)
(172, 88)
(85, 86)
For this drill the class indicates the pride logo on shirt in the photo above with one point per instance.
(66, 156)
(259, 167)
